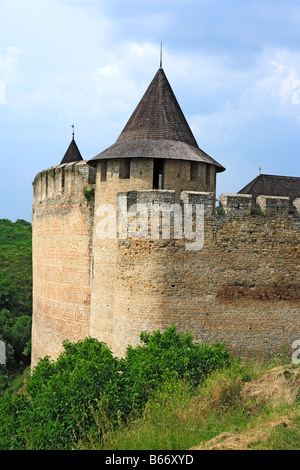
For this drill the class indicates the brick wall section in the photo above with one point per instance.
(62, 236)
(105, 291)
(242, 287)
(178, 177)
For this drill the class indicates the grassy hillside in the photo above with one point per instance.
(252, 404)
(15, 294)
(16, 266)
(235, 409)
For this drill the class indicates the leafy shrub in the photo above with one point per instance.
(4, 379)
(220, 210)
(169, 355)
(6, 291)
(59, 396)
(89, 194)
(19, 334)
(16, 333)
(87, 389)
(257, 210)
(65, 390)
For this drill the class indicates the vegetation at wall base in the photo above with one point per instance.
(168, 393)
(15, 296)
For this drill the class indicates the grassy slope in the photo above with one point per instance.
(16, 263)
(219, 416)
(255, 406)
(227, 413)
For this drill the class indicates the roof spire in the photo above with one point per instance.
(72, 154)
(157, 128)
(160, 65)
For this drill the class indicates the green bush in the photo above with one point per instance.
(64, 392)
(89, 194)
(257, 210)
(4, 379)
(16, 333)
(57, 406)
(168, 355)
(87, 390)
(19, 334)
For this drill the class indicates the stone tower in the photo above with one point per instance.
(92, 277)
(154, 160)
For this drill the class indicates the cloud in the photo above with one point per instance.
(82, 73)
(274, 92)
(9, 63)
(271, 90)
(220, 98)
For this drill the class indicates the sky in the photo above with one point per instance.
(234, 66)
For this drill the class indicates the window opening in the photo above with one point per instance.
(194, 170)
(103, 175)
(158, 173)
(208, 174)
(124, 169)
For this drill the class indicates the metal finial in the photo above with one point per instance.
(161, 55)
(260, 170)
(73, 134)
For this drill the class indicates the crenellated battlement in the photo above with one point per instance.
(67, 181)
(233, 205)
(236, 204)
(242, 205)
(272, 205)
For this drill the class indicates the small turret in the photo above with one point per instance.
(72, 154)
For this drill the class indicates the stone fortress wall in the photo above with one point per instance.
(62, 254)
(242, 286)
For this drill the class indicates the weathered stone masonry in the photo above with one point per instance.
(62, 256)
(241, 287)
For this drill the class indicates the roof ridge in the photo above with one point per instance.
(280, 176)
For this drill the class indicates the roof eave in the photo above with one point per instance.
(150, 148)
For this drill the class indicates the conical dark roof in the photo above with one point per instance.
(72, 154)
(157, 129)
(158, 115)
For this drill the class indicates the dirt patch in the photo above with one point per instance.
(280, 385)
(243, 441)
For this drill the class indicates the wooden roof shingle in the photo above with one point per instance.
(158, 115)
(273, 185)
(157, 129)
